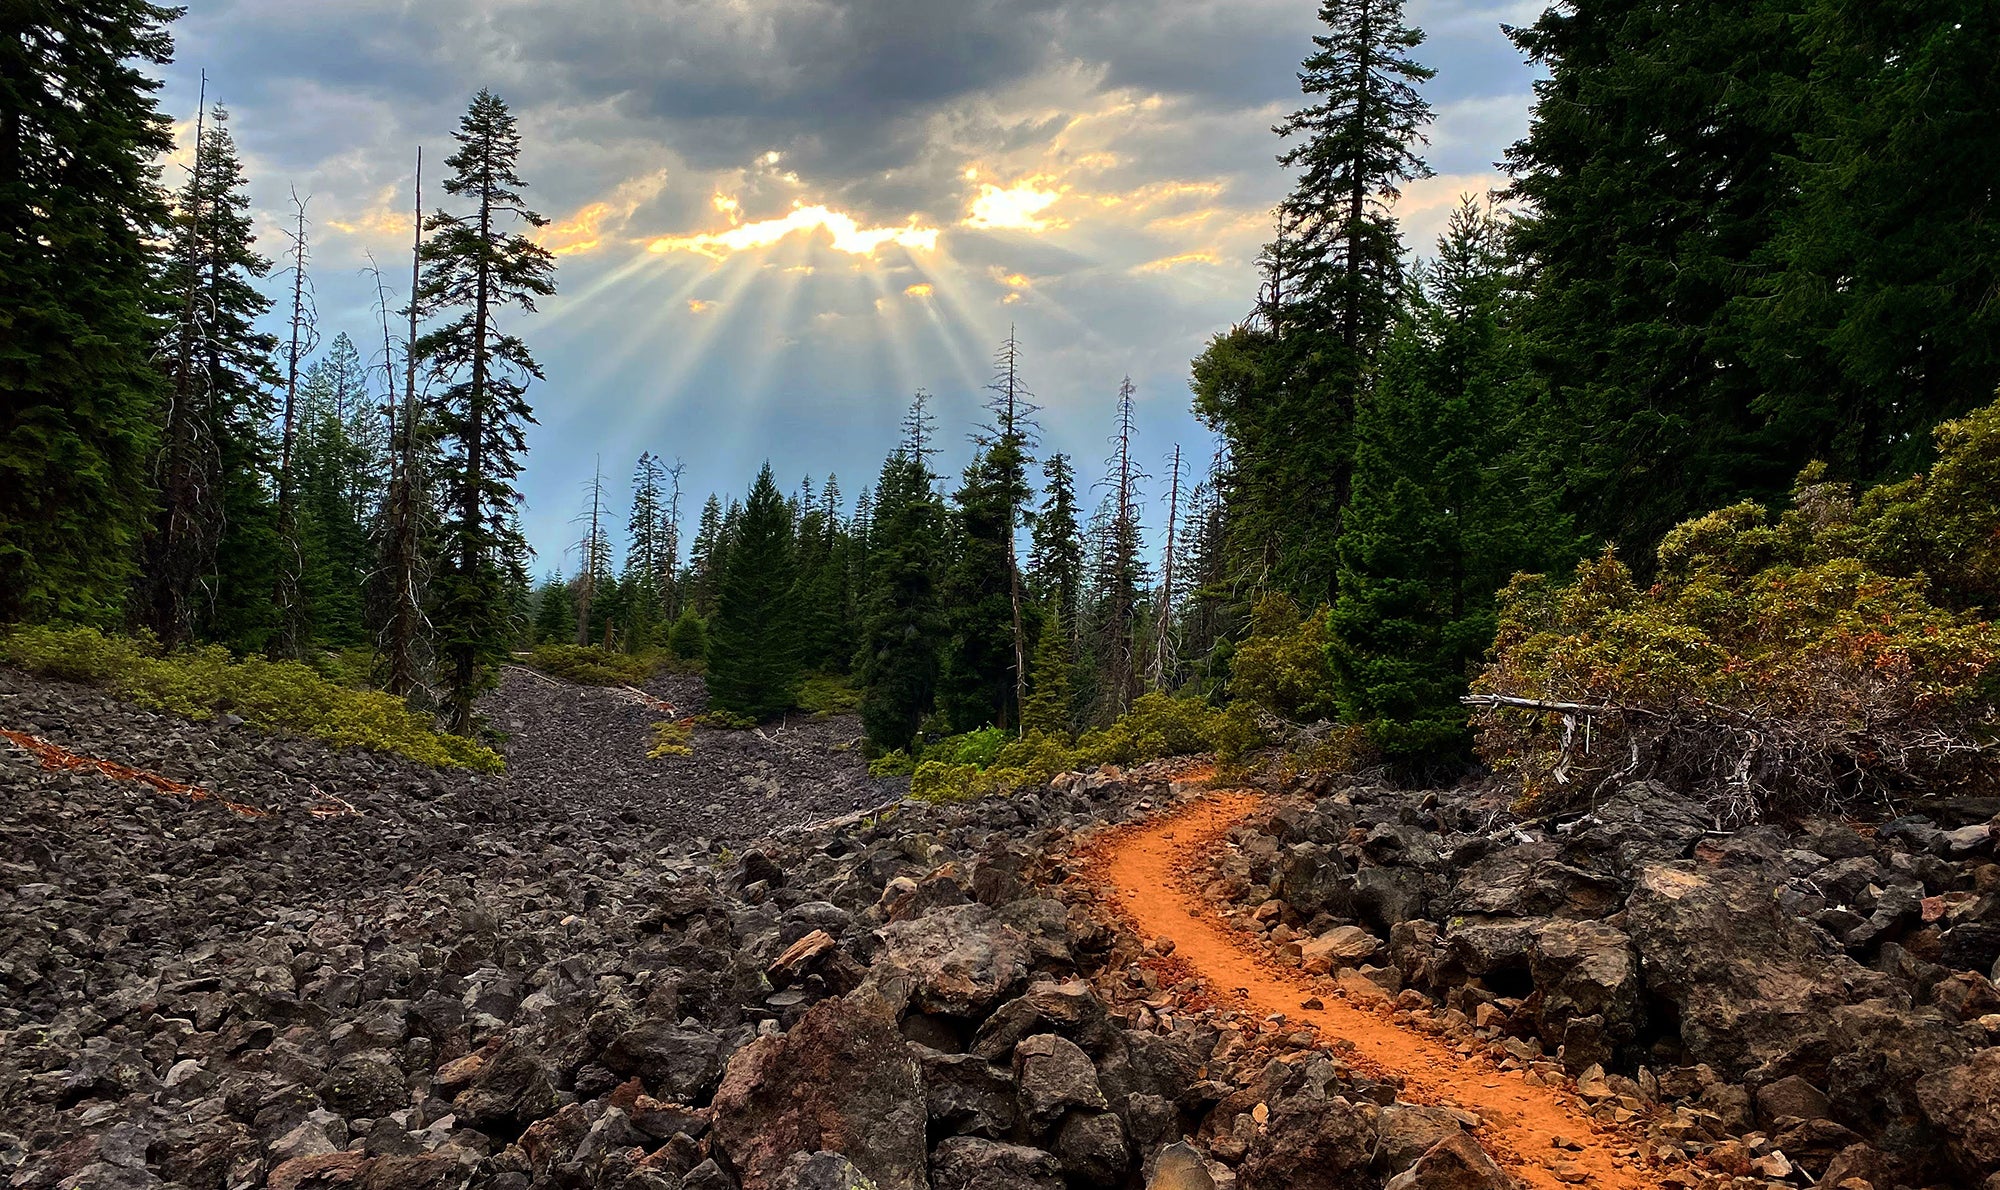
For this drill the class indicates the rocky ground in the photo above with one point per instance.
(1801, 1004)
(653, 980)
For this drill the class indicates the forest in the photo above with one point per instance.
(1747, 260)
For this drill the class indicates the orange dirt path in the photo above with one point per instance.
(1144, 866)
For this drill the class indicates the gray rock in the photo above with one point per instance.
(973, 1163)
(1053, 1076)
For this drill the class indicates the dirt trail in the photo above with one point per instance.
(1144, 866)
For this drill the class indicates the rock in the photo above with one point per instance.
(1180, 1167)
(1963, 1103)
(1053, 1076)
(322, 1172)
(1454, 1163)
(973, 1163)
(965, 1095)
(1406, 1132)
(366, 1084)
(709, 1175)
(1068, 1008)
(843, 1080)
(1091, 1147)
(1342, 946)
(676, 1062)
(419, 1171)
(1751, 984)
(1791, 1097)
(1588, 978)
(1309, 1143)
(511, 1090)
(962, 960)
(821, 1171)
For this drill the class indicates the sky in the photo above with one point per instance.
(775, 220)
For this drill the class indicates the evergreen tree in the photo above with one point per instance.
(339, 481)
(1438, 521)
(753, 640)
(1051, 700)
(1283, 392)
(1653, 173)
(477, 268)
(1118, 574)
(211, 560)
(705, 557)
(646, 560)
(904, 627)
(80, 207)
(977, 688)
(688, 638)
(1055, 559)
(555, 615)
(1871, 317)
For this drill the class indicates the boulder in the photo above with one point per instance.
(1454, 1163)
(1342, 946)
(821, 1171)
(1180, 1167)
(1311, 1142)
(965, 1095)
(511, 1090)
(1751, 984)
(366, 1084)
(1963, 1104)
(843, 1081)
(1053, 1076)
(1092, 1148)
(973, 1163)
(964, 960)
(674, 1061)
(1791, 1097)
(1588, 978)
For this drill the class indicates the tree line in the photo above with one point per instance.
(1736, 239)
(169, 465)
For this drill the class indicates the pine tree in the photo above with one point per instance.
(1870, 317)
(1283, 392)
(645, 554)
(555, 614)
(753, 639)
(1055, 560)
(977, 686)
(80, 207)
(339, 481)
(1119, 573)
(404, 530)
(593, 562)
(706, 556)
(1439, 521)
(903, 625)
(1051, 700)
(1653, 172)
(476, 269)
(211, 561)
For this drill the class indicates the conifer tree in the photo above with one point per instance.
(753, 640)
(555, 615)
(1653, 174)
(977, 687)
(1283, 392)
(211, 560)
(646, 554)
(1439, 519)
(1051, 698)
(476, 269)
(593, 562)
(705, 557)
(1055, 560)
(903, 622)
(80, 206)
(339, 481)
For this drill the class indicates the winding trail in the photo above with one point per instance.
(1144, 866)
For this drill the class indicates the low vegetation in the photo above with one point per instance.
(589, 665)
(1839, 651)
(281, 695)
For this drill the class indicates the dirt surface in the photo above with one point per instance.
(1540, 1134)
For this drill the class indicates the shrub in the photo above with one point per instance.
(278, 696)
(726, 720)
(1766, 669)
(828, 694)
(589, 665)
(688, 638)
(1283, 665)
(672, 738)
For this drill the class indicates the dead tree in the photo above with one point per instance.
(1163, 639)
(304, 339)
(1120, 565)
(403, 623)
(594, 555)
(1014, 406)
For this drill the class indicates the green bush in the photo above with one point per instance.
(672, 738)
(589, 665)
(278, 696)
(828, 694)
(1283, 664)
(1787, 664)
(726, 720)
(688, 638)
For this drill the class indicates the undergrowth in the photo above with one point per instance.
(672, 738)
(274, 695)
(589, 665)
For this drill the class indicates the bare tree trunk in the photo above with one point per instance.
(1163, 640)
(405, 619)
(289, 643)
